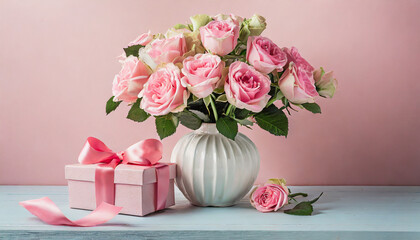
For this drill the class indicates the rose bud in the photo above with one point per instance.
(256, 25)
(325, 83)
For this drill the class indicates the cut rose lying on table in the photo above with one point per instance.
(216, 70)
(274, 195)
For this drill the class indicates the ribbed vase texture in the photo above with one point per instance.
(213, 170)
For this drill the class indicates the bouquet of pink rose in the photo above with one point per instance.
(216, 70)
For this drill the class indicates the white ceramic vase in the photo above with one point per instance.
(213, 170)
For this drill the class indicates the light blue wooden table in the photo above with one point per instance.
(341, 213)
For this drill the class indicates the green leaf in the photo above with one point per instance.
(219, 90)
(241, 113)
(180, 26)
(303, 208)
(207, 101)
(199, 20)
(133, 50)
(279, 95)
(273, 120)
(198, 106)
(189, 119)
(277, 181)
(165, 125)
(111, 105)
(244, 122)
(312, 107)
(202, 116)
(136, 113)
(190, 26)
(227, 127)
(194, 98)
(244, 32)
(221, 98)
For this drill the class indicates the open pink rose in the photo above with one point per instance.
(163, 92)
(220, 37)
(143, 39)
(294, 56)
(165, 50)
(246, 88)
(297, 85)
(270, 197)
(201, 73)
(130, 80)
(265, 55)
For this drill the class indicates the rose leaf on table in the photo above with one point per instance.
(303, 208)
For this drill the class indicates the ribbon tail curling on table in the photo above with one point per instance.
(47, 211)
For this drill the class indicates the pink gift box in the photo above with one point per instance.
(135, 187)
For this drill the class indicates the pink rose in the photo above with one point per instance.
(270, 197)
(163, 92)
(294, 56)
(143, 39)
(265, 55)
(297, 85)
(163, 51)
(232, 17)
(220, 37)
(247, 88)
(201, 73)
(130, 80)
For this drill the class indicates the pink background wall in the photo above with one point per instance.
(58, 59)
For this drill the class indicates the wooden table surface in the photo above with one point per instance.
(349, 212)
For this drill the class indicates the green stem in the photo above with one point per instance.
(229, 109)
(213, 106)
(272, 100)
(297, 194)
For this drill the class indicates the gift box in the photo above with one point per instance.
(135, 187)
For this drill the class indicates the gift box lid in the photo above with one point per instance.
(124, 174)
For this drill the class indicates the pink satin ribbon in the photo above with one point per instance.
(145, 153)
(47, 211)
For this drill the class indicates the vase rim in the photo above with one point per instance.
(209, 128)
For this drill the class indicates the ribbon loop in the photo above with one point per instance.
(95, 151)
(146, 153)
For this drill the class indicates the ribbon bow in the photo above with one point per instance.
(145, 153)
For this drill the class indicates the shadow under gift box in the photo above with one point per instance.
(135, 187)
